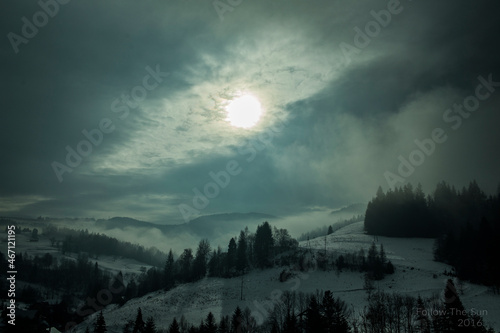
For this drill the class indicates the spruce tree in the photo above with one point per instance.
(139, 322)
(214, 264)
(383, 256)
(241, 253)
(263, 245)
(334, 313)
(291, 325)
(236, 320)
(174, 327)
(100, 324)
(129, 326)
(314, 320)
(231, 256)
(423, 323)
(372, 257)
(330, 230)
(224, 325)
(210, 326)
(199, 269)
(389, 268)
(150, 326)
(454, 309)
(185, 262)
(168, 272)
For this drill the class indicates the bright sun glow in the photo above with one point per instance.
(244, 111)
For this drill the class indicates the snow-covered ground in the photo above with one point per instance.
(111, 264)
(412, 257)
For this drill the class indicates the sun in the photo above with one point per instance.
(244, 111)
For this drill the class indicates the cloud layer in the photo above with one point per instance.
(343, 122)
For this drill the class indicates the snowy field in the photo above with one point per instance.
(111, 264)
(414, 275)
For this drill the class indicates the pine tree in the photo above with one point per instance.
(174, 327)
(380, 194)
(231, 255)
(224, 325)
(183, 324)
(368, 284)
(200, 261)
(362, 260)
(210, 326)
(168, 272)
(330, 230)
(290, 325)
(214, 264)
(263, 245)
(129, 326)
(314, 320)
(150, 326)
(100, 324)
(236, 320)
(454, 309)
(241, 253)
(334, 313)
(383, 256)
(372, 256)
(374, 263)
(185, 261)
(423, 323)
(389, 268)
(131, 290)
(139, 322)
(201, 328)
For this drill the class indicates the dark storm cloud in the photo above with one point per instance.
(346, 123)
(66, 78)
(427, 60)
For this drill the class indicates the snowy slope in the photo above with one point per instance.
(111, 264)
(414, 275)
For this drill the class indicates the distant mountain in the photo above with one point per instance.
(229, 217)
(121, 222)
(212, 226)
(207, 226)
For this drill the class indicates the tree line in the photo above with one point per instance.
(68, 276)
(248, 251)
(407, 212)
(465, 223)
(321, 312)
(266, 248)
(330, 229)
(95, 244)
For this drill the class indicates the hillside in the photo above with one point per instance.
(353, 209)
(416, 274)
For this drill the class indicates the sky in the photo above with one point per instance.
(354, 95)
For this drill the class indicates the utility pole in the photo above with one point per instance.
(241, 290)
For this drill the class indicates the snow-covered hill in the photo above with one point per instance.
(416, 274)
